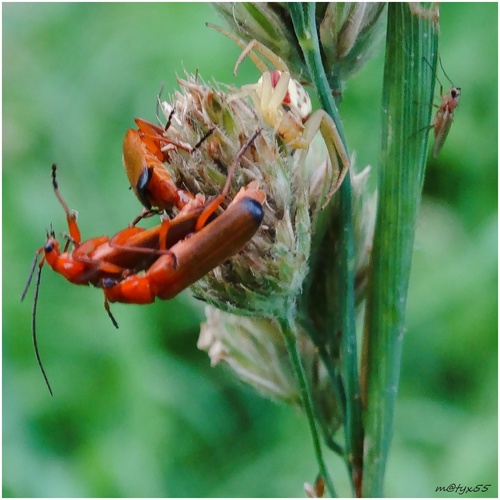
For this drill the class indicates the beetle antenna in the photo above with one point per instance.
(237, 159)
(169, 120)
(30, 277)
(203, 139)
(33, 329)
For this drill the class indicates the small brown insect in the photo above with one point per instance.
(444, 118)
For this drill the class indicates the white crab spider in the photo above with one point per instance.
(285, 105)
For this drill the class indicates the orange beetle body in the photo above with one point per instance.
(150, 180)
(79, 266)
(129, 251)
(171, 259)
(190, 259)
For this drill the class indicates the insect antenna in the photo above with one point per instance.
(434, 71)
(169, 121)
(33, 329)
(30, 277)
(444, 72)
(204, 138)
(236, 161)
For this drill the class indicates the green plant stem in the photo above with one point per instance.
(305, 395)
(407, 99)
(340, 232)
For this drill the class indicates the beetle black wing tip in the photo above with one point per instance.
(255, 209)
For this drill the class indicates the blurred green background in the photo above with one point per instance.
(139, 411)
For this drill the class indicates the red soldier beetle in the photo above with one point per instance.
(144, 151)
(103, 257)
(191, 258)
(103, 261)
(98, 258)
